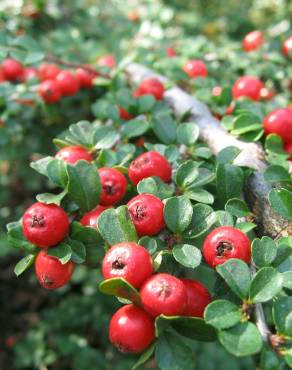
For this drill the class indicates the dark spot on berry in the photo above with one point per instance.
(164, 290)
(140, 162)
(123, 348)
(38, 220)
(223, 247)
(139, 212)
(118, 264)
(46, 281)
(109, 187)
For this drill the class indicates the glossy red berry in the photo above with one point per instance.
(288, 149)
(164, 294)
(49, 91)
(151, 86)
(12, 69)
(195, 68)
(279, 122)
(287, 47)
(68, 83)
(90, 218)
(131, 329)
(85, 77)
(126, 116)
(51, 273)
(45, 224)
(170, 52)
(108, 61)
(129, 261)
(224, 243)
(48, 71)
(149, 164)
(146, 212)
(253, 41)
(73, 154)
(247, 86)
(266, 94)
(198, 298)
(113, 186)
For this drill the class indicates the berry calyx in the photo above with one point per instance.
(108, 61)
(126, 116)
(287, 47)
(253, 41)
(45, 224)
(51, 273)
(129, 261)
(149, 164)
(195, 68)
(146, 212)
(113, 186)
(12, 69)
(279, 122)
(49, 91)
(164, 294)
(131, 329)
(224, 243)
(249, 87)
(73, 154)
(90, 218)
(151, 86)
(48, 71)
(198, 298)
(68, 83)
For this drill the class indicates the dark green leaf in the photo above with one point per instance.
(24, 264)
(202, 219)
(119, 287)
(155, 186)
(276, 174)
(227, 155)
(282, 314)
(187, 133)
(49, 198)
(237, 207)
(144, 357)
(178, 213)
(265, 285)
(135, 127)
(187, 173)
(229, 180)
(264, 251)
(16, 238)
(164, 128)
(56, 172)
(224, 218)
(62, 252)
(78, 251)
(222, 314)
(281, 200)
(187, 255)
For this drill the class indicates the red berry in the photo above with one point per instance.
(45, 224)
(140, 142)
(146, 212)
(149, 164)
(198, 297)
(279, 122)
(124, 114)
(12, 69)
(247, 86)
(230, 109)
(224, 243)
(48, 71)
(133, 16)
(113, 186)
(67, 83)
(170, 52)
(266, 94)
(151, 86)
(49, 91)
(131, 329)
(90, 218)
(29, 73)
(107, 61)
(217, 91)
(85, 77)
(129, 261)
(195, 68)
(287, 46)
(51, 273)
(253, 41)
(2, 77)
(288, 149)
(164, 294)
(73, 154)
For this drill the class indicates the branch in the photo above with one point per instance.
(214, 135)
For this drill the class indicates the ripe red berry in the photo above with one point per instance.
(288, 149)
(67, 83)
(48, 71)
(151, 86)
(247, 86)
(129, 261)
(195, 68)
(45, 224)
(108, 61)
(90, 218)
(85, 77)
(49, 91)
(12, 69)
(266, 94)
(253, 41)
(164, 294)
(149, 164)
(224, 243)
(229, 109)
(73, 154)
(170, 52)
(29, 73)
(131, 329)
(113, 186)
(198, 298)
(279, 122)
(146, 212)
(2, 77)
(51, 273)
(124, 114)
(287, 47)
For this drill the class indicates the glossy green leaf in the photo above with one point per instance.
(237, 207)
(202, 219)
(187, 173)
(119, 287)
(155, 186)
(178, 213)
(144, 357)
(282, 315)
(187, 133)
(24, 264)
(222, 314)
(187, 255)
(264, 251)
(227, 155)
(62, 252)
(281, 200)
(265, 285)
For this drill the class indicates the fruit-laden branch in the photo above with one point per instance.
(215, 136)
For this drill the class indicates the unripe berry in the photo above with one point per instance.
(253, 41)
(131, 329)
(247, 86)
(195, 68)
(12, 69)
(224, 243)
(45, 224)
(51, 273)
(48, 71)
(287, 47)
(151, 86)
(68, 83)
(279, 122)
(113, 186)
(73, 154)
(90, 218)
(129, 261)
(198, 298)
(49, 91)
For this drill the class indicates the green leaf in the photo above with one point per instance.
(283, 252)
(237, 276)
(105, 137)
(187, 133)
(205, 177)
(199, 195)
(24, 264)
(178, 213)
(276, 174)
(222, 314)
(144, 357)
(245, 227)
(265, 285)
(34, 57)
(49, 198)
(119, 287)
(229, 180)
(116, 226)
(287, 279)
(288, 356)
(16, 239)
(246, 123)
(62, 252)
(237, 207)
(264, 251)
(187, 255)
(164, 127)
(135, 127)
(281, 200)
(202, 219)
(227, 155)
(78, 251)
(146, 103)
(84, 185)
(187, 173)
(82, 133)
(282, 314)
(243, 339)
(269, 359)
(56, 172)
(224, 219)
(41, 165)
(155, 186)
(151, 244)
(274, 144)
